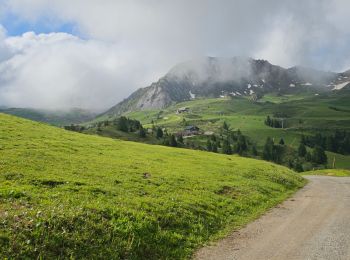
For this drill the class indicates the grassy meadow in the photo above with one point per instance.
(306, 114)
(330, 172)
(70, 195)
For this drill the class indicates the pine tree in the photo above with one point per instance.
(290, 164)
(241, 145)
(298, 167)
(281, 142)
(142, 132)
(180, 139)
(225, 126)
(166, 141)
(226, 147)
(308, 157)
(254, 150)
(302, 150)
(268, 121)
(209, 146)
(123, 124)
(172, 141)
(268, 149)
(159, 133)
(215, 148)
(318, 155)
(277, 153)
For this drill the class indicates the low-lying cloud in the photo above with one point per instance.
(59, 70)
(124, 45)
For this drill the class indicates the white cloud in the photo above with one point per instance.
(60, 70)
(131, 43)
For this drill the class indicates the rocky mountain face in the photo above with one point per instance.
(342, 80)
(219, 77)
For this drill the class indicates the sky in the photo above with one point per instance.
(59, 54)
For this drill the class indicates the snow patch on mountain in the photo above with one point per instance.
(193, 96)
(341, 85)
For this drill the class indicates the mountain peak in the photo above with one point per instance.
(219, 76)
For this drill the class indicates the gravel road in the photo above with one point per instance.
(313, 224)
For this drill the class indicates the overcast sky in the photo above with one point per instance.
(94, 53)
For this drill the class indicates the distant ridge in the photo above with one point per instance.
(215, 77)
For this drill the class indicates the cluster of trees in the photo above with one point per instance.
(173, 141)
(235, 142)
(282, 154)
(339, 142)
(213, 143)
(75, 128)
(273, 152)
(273, 122)
(123, 124)
(166, 138)
(317, 156)
(127, 125)
(230, 142)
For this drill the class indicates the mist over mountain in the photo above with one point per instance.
(215, 77)
(53, 117)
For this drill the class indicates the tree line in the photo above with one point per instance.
(274, 122)
(230, 142)
(293, 158)
(339, 142)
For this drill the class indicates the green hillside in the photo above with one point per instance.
(304, 114)
(70, 195)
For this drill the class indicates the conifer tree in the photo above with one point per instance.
(302, 150)
(209, 146)
(319, 156)
(268, 149)
(281, 142)
(308, 157)
(123, 124)
(142, 132)
(172, 141)
(214, 148)
(180, 139)
(254, 150)
(226, 147)
(225, 126)
(159, 133)
(298, 167)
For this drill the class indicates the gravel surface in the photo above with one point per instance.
(314, 224)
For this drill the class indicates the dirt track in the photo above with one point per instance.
(314, 224)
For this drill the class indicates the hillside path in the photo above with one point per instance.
(313, 224)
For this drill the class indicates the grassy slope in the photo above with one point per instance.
(330, 172)
(65, 194)
(112, 132)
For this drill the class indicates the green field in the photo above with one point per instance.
(112, 132)
(70, 195)
(330, 172)
(306, 114)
